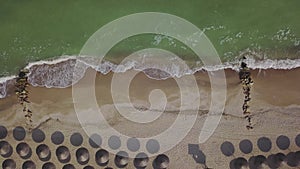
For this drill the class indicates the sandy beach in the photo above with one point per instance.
(274, 105)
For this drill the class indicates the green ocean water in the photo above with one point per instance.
(35, 30)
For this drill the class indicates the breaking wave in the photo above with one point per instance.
(61, 73)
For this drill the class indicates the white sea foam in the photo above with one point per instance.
(60, 73)
(4, 82)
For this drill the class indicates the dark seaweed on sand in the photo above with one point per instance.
(245, 77)
(22, 94)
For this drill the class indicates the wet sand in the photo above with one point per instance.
(275, 105)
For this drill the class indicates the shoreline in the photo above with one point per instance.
(59, 73)
(267, 83)
(268, 87)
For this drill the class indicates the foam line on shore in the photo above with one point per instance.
(60, 73)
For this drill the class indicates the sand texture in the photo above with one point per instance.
(275, 105)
